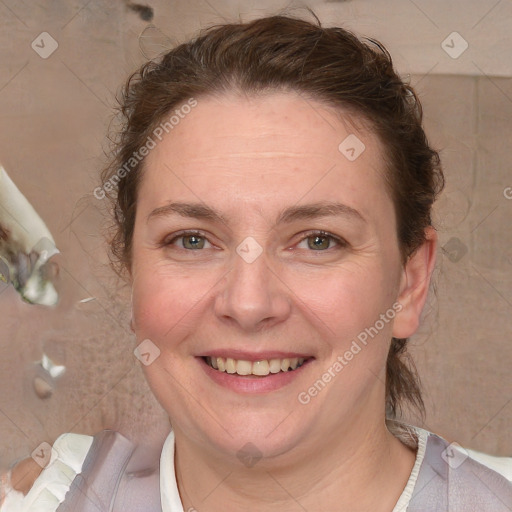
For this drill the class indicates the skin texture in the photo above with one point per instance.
(250, 157)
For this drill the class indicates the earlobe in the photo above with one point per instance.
(414, 286)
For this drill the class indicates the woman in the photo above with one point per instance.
(272, 194)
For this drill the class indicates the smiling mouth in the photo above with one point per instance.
(260, 368)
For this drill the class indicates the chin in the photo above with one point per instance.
(268, 432)
(254, 437)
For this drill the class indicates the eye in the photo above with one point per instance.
(320, 241)
(191, 240)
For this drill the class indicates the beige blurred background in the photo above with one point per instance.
(54, 115)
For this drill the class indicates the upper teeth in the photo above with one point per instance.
(263, 367)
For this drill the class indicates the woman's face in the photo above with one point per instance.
(254, 177)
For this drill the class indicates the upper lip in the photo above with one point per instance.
(254, 356)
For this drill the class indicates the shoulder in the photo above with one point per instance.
(454, 456)
(502, 465)
(448, 477)
(462, 479)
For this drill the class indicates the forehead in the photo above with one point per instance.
(262, 150)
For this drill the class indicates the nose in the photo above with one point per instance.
(253, 296)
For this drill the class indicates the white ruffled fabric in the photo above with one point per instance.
(50, 488)
(70, 450)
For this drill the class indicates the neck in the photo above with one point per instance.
(362, 467)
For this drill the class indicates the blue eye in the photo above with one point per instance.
(318, 241)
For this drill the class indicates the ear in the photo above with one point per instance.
(414, 286)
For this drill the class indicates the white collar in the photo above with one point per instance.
(169, 495)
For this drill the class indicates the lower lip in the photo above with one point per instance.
(252, 384)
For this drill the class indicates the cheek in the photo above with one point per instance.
(165, 304)
(349, 301)
(360, 316)
(163, 310)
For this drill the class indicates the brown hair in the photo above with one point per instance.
(330, 65)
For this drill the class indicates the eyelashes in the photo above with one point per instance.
(198, 237)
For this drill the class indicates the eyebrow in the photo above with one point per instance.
(286, 216)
